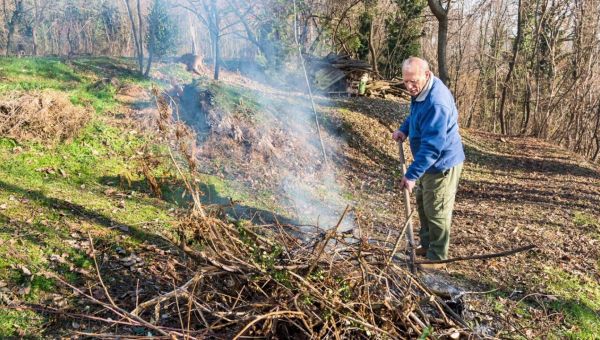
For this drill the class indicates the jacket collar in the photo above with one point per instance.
(421, 97)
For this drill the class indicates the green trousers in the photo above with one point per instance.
(435, 201)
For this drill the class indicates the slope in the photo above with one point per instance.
(54, 198)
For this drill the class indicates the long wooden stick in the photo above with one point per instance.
(480, 257)
(400, 237)
(407, 211)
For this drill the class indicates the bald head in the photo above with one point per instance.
(415, 74)
(415, 64)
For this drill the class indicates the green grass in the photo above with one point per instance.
(218, 190)
(19, 323)
(50, 193)
(36, 74)
(77, 79)
(240, 101)
(579, 299)
(125, 69)
(176, 70)
(584, 220)
(90, 155)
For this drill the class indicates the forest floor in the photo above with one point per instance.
(56, 197)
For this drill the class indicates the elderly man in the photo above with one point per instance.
(432, 128)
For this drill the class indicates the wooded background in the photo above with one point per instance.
(516, 67)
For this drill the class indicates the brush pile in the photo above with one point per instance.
(335, 72)
(277, 281)
(341, 62)
(41, 116)
(266, 282)
(339, 73)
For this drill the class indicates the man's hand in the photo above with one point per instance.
(399, 136)
(408, 184)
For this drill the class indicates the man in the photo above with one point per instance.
(432, 128)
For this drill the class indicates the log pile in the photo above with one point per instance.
(382, 88)
(335, 72)
(340, 74)
(341, 62)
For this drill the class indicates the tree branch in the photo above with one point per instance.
(479, 257)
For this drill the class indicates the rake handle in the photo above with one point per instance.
(407, 210)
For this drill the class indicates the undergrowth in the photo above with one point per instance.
(53, 196)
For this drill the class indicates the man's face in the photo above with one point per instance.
(415, 79)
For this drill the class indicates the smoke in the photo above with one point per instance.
(309, 184)
(282, 131)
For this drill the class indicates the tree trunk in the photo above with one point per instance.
(15, 18)
(34, 23)
(217, 61)
(141, 34)
(193, 35)
(527, 105)
(511, 67)
(135, 36)
(215, 32)
(441, 14)
(150, 57)
(8, 41)
(596, 156)
(372, 48)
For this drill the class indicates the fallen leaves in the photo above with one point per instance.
(24, 270)
(53, 171)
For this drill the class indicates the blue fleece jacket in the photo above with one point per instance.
(432, 129)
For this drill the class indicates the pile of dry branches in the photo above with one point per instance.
(43, 116)
(342, 62)
(278, 281)
(380, 88)
(265, 281)
(274, 280)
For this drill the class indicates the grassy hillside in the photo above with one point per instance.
(56, 197)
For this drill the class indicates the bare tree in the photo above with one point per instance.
(137, 33)
(13, 16)
(215, 16)
(511, 67)
(39, 8)
(441, 13)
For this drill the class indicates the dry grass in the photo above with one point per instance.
(41, 116)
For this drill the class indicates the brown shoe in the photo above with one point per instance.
(433, 266)
(421, 251)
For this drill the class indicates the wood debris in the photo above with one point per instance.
(381, 88)
(340, 74)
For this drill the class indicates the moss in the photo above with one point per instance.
(19, 323)
(579, 299)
